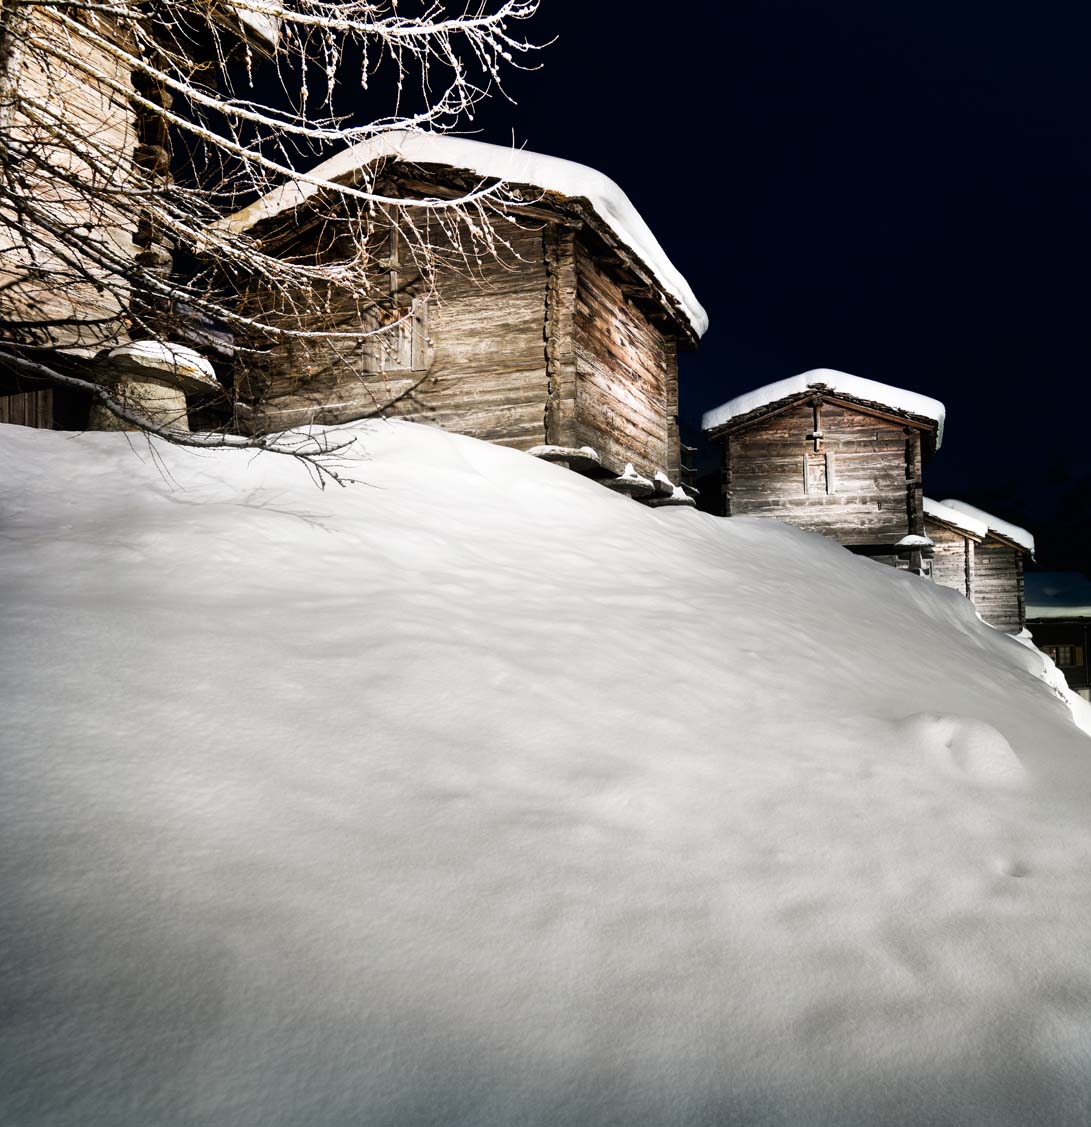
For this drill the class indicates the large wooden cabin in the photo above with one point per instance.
(833, 454)
(1059, 617)
(567, 337)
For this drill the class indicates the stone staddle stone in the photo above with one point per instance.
(151, 378)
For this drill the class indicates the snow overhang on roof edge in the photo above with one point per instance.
(995, 525)
(259, 27)
(836, 383)
(953, 517)
(513, 166)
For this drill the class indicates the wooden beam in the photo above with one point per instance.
(878, 413)
(443, 192)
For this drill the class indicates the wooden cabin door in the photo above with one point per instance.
(28, 409)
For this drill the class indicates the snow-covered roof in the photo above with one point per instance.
(1003, 528)
(841, 383)
(1058, 594)
(953, 516)
(514, 166)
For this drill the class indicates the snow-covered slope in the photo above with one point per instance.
(479, 795)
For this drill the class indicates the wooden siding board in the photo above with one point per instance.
(28, 409)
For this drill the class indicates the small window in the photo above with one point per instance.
(405, 346)
(1067, 657)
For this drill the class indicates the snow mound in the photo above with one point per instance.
(857, 387)
(1009, 531)
(515, 166)
(477, 794)
(967, 749)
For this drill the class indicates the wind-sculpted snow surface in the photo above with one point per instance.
(477, 795)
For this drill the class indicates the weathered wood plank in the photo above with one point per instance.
(28, 409)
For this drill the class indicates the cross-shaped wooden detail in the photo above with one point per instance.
(816, 432)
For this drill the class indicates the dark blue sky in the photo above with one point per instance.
(901, 191)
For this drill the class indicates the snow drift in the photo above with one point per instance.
(477, 794)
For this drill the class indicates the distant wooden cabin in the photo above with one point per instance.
(1059, 616)
(982, 556)
(955, 540)
(567, 338)
(833, 454)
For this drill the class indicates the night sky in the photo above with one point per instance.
(900, 191)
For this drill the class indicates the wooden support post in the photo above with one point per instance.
(970, 592)
(725, 487)
(558, 246)
(674, 441)
(914, 487)
(394, 261)
(1020, 590)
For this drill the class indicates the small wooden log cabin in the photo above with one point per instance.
(835, 454)
(996, 560)
(955, 538)
(567, 338)
(1059, 617)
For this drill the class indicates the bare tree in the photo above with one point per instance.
(129, 129)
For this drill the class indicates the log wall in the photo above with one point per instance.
(953, 560)
(859, 487)
(626, 377)
(483, 369)
(998, 581)
(91, 137)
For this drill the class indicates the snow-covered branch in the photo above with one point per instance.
(129, 131)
